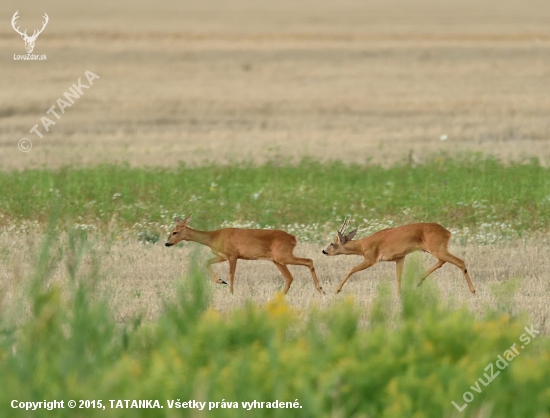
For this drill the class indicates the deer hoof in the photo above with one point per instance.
(224, 282)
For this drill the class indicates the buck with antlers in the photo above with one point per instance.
(393, 244)
(231, 244)
(29, 40)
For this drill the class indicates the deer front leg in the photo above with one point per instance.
(209, 263)
(232, 268)
(361, 266)
(399, 272)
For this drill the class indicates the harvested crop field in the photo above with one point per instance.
(242, 80)
(273, 115)
(140, 277)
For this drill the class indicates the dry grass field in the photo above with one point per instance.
(139, 278)
(227, 81)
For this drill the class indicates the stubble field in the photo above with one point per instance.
(281, 115)
(140, 277)
(245, 81)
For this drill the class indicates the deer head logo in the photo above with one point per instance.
(29, 40)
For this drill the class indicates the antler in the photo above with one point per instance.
(344, 226)
(35, 32)
(43, 25)
(13, 19)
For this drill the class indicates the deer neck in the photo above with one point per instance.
(352, 247)
(202, 237)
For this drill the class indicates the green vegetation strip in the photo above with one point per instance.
(67, 348)
(463, 193)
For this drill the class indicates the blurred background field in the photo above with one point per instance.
(284, 115)
(225, 81)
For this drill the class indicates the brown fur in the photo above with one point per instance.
(231, 244)
(394, 244)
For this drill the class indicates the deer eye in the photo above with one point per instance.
(175, 233)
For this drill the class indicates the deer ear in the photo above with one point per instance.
(178, 220)
(186, 220)
(341, 239)
(351, 235)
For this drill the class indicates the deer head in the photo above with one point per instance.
(178, 233)
(29, 40)
(336, 247)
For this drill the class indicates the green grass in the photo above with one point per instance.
(68, 347)
(471, 192)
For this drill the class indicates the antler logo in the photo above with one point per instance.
(29, 40)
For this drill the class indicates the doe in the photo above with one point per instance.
(231, 244)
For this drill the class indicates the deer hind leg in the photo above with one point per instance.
(361, 266)
(214, 260)
(297, 261)
(286, 274)
(232, 268)
(430, 271)
(449, 258)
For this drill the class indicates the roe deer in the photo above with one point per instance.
(231, 244)
(393, 244)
